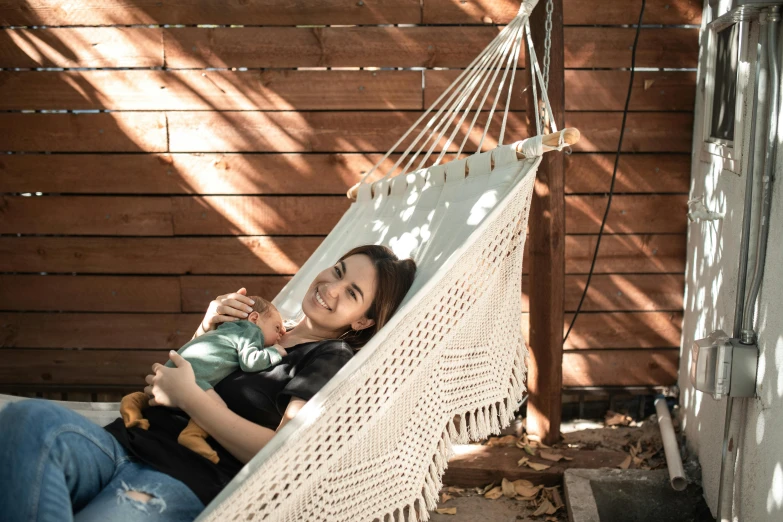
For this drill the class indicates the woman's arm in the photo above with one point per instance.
(229, 307)
(177, 388)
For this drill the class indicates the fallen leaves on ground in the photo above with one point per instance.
(551, 455)
(614, 418)
(538, 467)
(447, 511)
(494, 493)
(445, 497)
(508, 440)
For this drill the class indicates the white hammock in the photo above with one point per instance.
(374, 442)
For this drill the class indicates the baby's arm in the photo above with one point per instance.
(255, 359)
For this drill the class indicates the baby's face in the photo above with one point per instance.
(271, 324)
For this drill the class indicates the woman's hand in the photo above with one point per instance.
(171, 386)
(226, 308)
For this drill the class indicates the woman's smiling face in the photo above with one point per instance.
(341, 295)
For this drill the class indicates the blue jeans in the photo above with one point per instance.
(56, 465)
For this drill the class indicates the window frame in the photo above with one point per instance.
(729, 150)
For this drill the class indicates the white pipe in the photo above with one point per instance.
(670, 448)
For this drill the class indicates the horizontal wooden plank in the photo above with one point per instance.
(593, 90)
(185, 173)
(198, 291)
(142, 331)
(145, 90)
(609, 47)
(607, 90)
(258, 215)
(644, 132)
(339, 12)
(575, 12)
(80, 47)
(620, 292)
(167, 216)
(626, 253)
(625, 292)
(89, 293)
(648, 213)
(283, 215)
(289, 131)
(210, 255)
(78, 367)
(621, 368)
(635, 173)
(289, 47)
(105, 132)
(87, 215)
(601, 330)
(284, 254)
(618, 330)
(290, 173)
(258, 12)
(129, 367)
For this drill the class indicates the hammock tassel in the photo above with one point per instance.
(448, 448)
(503, 413)
(452, 430)
(463, 429)
(494, 420)
(473, 431)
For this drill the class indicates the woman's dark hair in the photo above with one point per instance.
(394, 279)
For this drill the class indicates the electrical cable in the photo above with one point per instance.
(614, 172)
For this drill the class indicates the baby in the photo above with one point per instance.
(213, 356)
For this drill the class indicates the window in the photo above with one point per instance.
(724, 98)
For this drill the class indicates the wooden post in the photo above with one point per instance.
(546, 258)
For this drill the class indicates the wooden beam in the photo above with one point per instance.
(547, 253)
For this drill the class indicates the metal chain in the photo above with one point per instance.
(548, 41)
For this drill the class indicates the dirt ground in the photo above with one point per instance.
(501, 503)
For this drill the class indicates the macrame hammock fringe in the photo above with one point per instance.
(450, 366)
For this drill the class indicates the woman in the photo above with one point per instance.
(54, 462)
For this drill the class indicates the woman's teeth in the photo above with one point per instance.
(320, 300)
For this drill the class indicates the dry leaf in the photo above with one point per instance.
(557, 499)
(648, 84)
(447, 511)
(508, 440)
(522, 461)
(487, 488)
(532, 497)
(527, 491)
(617, 419)
(508, 488)
(625, 463)
(494, 493)
(546, 507)
(548, 455)
(538, 467)
(523, 482)
(453, 489)
(529, 450)
(551, 519)
(445, 497)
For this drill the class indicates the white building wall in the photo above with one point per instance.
(711, 286)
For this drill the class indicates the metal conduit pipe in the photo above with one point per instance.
(748, 334)
(767, 74)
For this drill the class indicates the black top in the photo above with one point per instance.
(258, 397)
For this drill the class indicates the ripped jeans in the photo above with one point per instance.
(57, 466)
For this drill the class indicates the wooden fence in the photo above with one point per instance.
(154, 162)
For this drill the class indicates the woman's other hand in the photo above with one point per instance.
(226, 308)
(171, 386)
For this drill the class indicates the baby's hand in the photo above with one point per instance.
(280, 350)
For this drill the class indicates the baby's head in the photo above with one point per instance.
(266, 317)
